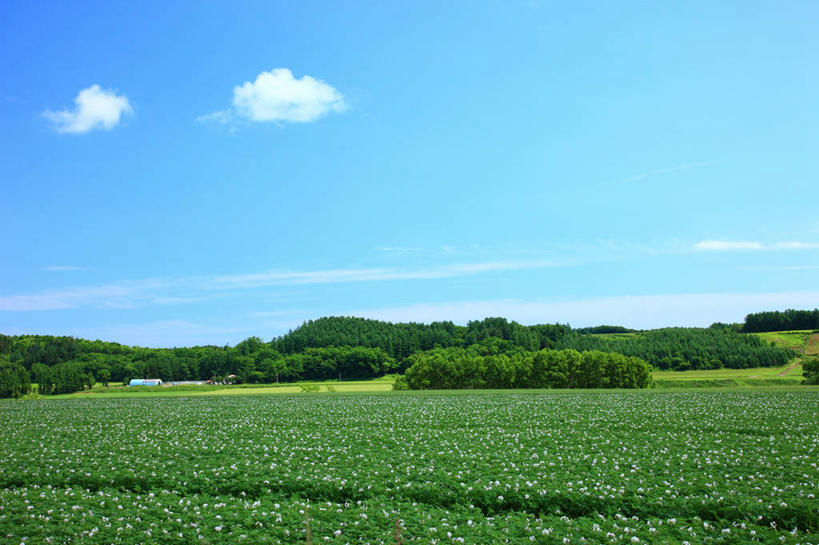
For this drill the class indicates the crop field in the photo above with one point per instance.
(467, 467)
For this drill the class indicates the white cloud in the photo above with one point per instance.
(187, 290)
(123, 295)
(274, 278)
(780, 268)
(797, 245)
(727, 245)
(165, 333)
(667, 170)
(639, 312)
(277, 96)
(223, 117)
(95, 108)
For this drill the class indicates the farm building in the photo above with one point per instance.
(145, 382)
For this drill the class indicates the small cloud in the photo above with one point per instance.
(63, 268)
(398, 250)
(781, 268)
(277, 96)
(667, 170)
(727, 245)
(96, 108)
(797, 245)
(222, 117)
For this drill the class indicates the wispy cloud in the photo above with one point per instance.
(727, 245)
(166, 333)
(668, 170)
(399, 250)
(186, 290)
(639, 311)
(124, 295)
(780, 268)
(797, 245)
(63, 268)
(277, 96)
(95, 108)
(222, 117)
(737, 245)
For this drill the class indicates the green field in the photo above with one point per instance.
(795, 340)
(787, 375)
(117, 390)
(472, 467)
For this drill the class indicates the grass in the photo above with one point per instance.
(795, 340)
(731, 378)
(754, 372)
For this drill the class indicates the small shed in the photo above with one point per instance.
(145, 382)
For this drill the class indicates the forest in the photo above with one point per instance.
(347, 348)
(781, 321)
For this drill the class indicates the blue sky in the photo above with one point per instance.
(195, 173)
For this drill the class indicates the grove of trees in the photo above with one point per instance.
(810, 369)
(14, 379)
(781, 321)
(459, 368)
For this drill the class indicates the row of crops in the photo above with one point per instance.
(529, 467)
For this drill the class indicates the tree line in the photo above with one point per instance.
(781, 321)
(459, 368)
(357, 348)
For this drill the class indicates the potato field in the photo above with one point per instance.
(438, 468)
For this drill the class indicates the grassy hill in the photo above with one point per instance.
(803, 342)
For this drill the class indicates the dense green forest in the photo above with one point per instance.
(347, 348)
(403, 339)
(781, 321)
